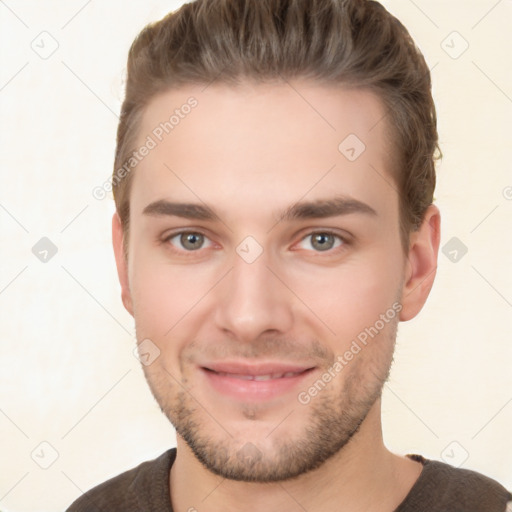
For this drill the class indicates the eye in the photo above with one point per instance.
(321, 241)
(189, 240)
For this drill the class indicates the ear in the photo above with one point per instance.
(121, 262)
(421, 264)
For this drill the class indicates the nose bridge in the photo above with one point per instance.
(253, 301)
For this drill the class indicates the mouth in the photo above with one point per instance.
(268, 376)
(254, 382)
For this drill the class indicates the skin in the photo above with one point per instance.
(250, 154)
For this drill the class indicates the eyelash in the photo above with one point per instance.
(168, 238)
(344, 241)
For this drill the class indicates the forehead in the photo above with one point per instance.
(247, 145)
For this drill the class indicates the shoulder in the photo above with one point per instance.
(446, 487)
(147, 482)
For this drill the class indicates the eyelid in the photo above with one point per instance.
(344, 237)
(166, 239)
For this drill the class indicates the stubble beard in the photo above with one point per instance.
(331, 423)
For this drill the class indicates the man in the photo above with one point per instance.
(274, 179)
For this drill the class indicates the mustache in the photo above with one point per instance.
(265, 348)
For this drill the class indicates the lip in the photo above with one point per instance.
(254, 382)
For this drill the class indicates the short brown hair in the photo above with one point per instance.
(354, 43)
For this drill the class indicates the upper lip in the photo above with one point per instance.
(255, 369)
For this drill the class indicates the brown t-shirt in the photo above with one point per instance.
(439, 488)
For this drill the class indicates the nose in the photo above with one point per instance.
(253, 302)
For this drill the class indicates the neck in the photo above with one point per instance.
(362, 474)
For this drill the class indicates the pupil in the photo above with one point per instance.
(191, 240)
(323, 242)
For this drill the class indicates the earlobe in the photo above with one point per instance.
(121, 262)
(421, 264)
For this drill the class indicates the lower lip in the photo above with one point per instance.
(254, 390)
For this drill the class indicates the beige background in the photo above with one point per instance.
(68, 377)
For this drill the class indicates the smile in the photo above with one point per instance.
(269, 376)
(254, 383)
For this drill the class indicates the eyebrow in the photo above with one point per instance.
(318, 209)
(324, 208)
(192, 211)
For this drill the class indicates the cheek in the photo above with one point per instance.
(349, 298)
(165, 295)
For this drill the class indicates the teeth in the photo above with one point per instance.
(269, 376)
(242, 377)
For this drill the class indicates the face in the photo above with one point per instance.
(265, 270)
